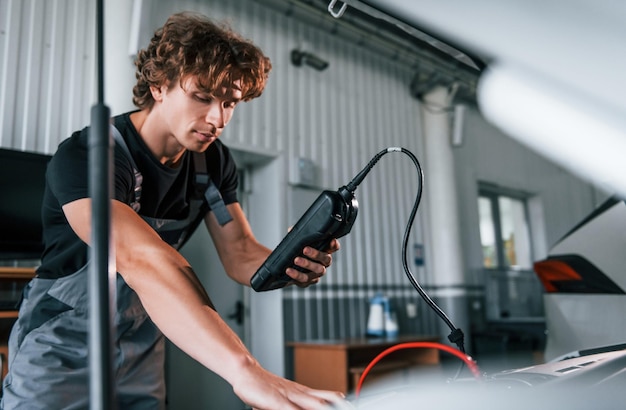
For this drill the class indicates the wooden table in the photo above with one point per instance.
(338, 364)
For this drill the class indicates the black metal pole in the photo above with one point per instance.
(101, 283)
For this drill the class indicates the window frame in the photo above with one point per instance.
(493, 192)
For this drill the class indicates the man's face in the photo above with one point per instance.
(196, 118)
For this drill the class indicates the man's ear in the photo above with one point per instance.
(157, 92)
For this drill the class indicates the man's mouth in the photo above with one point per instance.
(206, 136)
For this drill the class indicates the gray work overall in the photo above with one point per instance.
(48, 346)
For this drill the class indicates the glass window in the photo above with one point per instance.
(487, 233)
(504, 229)
(514, 232)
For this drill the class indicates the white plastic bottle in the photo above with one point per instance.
(376, 317)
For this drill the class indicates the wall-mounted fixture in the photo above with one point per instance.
(458, 118)
(304, 173)
(303, 57)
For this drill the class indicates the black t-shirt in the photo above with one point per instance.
(166, 192)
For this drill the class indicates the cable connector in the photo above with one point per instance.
(351, 186)
(457, 337)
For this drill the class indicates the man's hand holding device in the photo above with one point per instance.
(313, 264)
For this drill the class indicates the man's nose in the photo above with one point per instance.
(216, 115)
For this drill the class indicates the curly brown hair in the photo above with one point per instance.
(191, 44)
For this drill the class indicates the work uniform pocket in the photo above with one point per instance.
(36, 309)
(45, 299)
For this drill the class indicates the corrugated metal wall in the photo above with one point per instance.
(338, 118)
(46, 71)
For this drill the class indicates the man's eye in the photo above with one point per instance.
(203, 99)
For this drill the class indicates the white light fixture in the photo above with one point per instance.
(585, 136)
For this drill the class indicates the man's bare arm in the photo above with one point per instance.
(241, 254)
(180, 307)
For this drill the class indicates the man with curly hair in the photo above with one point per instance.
(171, 173)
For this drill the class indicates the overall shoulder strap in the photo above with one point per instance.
(138, 177)
(204, 184)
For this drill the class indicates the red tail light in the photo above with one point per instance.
(574, 274)
(553, 271)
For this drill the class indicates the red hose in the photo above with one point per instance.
(471, 364)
